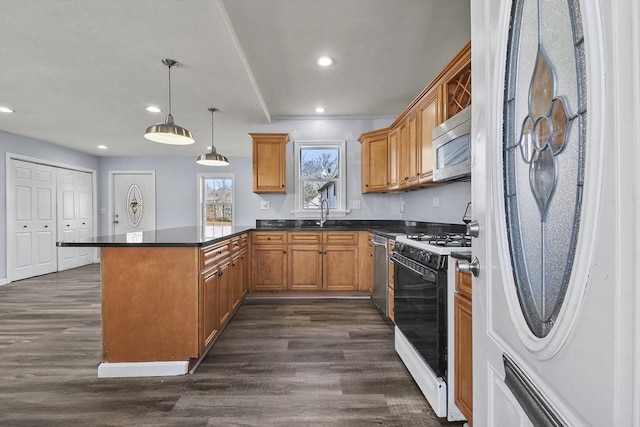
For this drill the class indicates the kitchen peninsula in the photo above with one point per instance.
(166, 295)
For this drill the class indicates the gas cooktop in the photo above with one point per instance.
(442, 243)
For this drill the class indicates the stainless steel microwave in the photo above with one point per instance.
(452, 148)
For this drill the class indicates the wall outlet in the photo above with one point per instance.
(265, 204)
(436, 201)
(355, 204)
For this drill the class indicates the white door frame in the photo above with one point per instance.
(110, 202)
(8, 182)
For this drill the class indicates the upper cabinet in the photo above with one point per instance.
(410, 158)
(269, 166)
(375, 152)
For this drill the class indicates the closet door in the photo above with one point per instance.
(75, 217)
(31, 208)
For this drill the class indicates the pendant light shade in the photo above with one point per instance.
(169, 132)
(212, 158)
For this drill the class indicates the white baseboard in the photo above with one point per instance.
(142, 369)
(4, 281)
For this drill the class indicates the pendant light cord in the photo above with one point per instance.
(169, 89)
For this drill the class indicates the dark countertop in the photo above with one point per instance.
(461, 255)
(171, 237)
(193, 236)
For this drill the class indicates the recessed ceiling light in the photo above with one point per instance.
(324, 61)
(5, 110)
(319, 109)
(153, 109)
(102, 147)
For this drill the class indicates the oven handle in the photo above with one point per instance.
(395, 258)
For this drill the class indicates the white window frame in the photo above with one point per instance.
(201, 178)
(341, 201)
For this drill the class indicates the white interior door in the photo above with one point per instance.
(31, 199)
(133, 201)
(556, 211)
(75, 216)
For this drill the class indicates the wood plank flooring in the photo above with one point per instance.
(288, 362)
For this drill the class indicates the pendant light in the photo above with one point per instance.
(212, 158)
(169, 132)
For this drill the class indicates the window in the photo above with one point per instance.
(320, 174)
(216, 203)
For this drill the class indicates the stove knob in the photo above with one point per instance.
(422, 256)
(427, 257)
(399, 247)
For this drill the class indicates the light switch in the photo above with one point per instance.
(355, 204)
(436, 201)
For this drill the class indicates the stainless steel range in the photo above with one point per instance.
(422, 288)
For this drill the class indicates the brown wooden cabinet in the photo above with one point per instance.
(463, 321)
(210, 323)
(410, 159)
(375, 152)
(305, 261)
(394, 159)
(391, 283)
(430, 116)
(269, 162)
(269, 261)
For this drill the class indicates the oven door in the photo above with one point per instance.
(420, 312)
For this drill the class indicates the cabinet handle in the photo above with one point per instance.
(284, 252)
(282, 185)
(268, 238)
(46, 226)
(24, 226)
(220, 274)
(219, 252)
(320, 252)
(68, 225)
(325, 252)
(83, 223)
(366, 185)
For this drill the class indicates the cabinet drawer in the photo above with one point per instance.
(212, 254)
(304, 237)
(340, 237)
(268, 237)
(463, 283)
(238, 242)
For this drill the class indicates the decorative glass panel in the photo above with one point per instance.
(544, 118)
(134, 205)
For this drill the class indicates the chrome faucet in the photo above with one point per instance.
(323, 215)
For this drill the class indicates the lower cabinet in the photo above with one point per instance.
(223, 282)
(463, 345)
(306, 261)
(210, 319)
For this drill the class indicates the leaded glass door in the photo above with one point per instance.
(555, 116)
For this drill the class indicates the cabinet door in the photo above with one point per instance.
(394, 159)
(235, 286)
(224, 306)
(464, 356)
(430, 117)
(412, 147)
(340, 268)
(244, 272)
(403, 144)
(375, 149)
(269, 268)
(210, 318)
(269, 165)
(305, 267)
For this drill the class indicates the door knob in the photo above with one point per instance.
(472, 267)
(473, 228)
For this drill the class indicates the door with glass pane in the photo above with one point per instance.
(554, 141)
(216, 203)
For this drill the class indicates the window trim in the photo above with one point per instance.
(200, 207)
(341, 201)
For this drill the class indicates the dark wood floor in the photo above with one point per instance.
(287, 362)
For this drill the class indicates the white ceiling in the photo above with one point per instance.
(79, 73)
